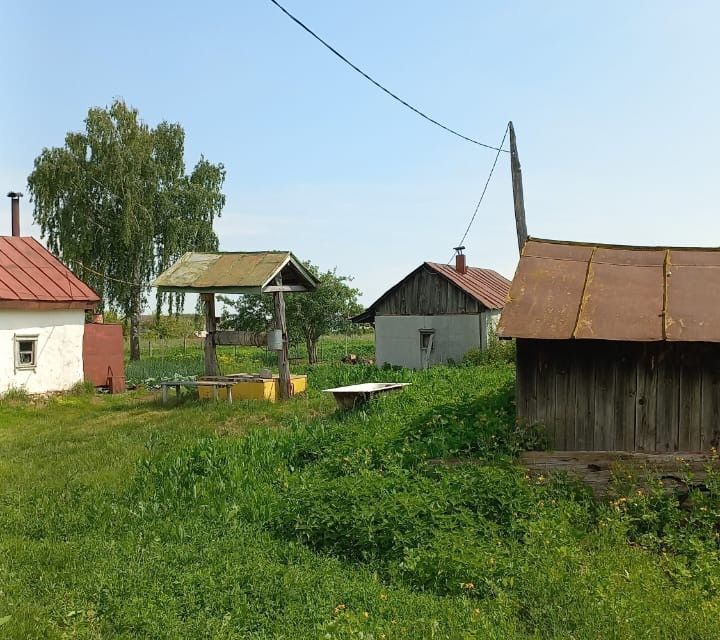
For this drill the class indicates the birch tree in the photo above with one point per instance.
(116, 204)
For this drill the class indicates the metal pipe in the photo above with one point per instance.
(15, 211)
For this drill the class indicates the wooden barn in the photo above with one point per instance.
(436, 314)
(618, 347)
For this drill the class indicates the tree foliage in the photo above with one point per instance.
(116, 203)
(309, 315)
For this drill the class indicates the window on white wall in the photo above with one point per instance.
(25, 352)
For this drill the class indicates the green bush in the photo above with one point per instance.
(684, 523)
(483, 427)
(396, 515)
(497, 352)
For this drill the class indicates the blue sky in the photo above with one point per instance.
(615, 105)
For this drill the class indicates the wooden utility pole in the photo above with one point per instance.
(211, 363)
(283, 357)
(517, 186)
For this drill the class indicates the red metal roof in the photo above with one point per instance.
(485, 285)
(565, 290)
(29, 273)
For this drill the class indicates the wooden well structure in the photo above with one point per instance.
(256, 272)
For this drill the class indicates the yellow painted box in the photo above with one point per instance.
(250, 387)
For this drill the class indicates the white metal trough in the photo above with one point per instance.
(355, 394)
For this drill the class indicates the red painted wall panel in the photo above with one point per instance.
(103, 357)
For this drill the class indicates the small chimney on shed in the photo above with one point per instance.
(460, 264)
(15, 211)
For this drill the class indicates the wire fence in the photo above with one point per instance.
(332, 347)
(182, 358)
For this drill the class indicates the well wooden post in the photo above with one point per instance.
(211, 363)
(283, 358)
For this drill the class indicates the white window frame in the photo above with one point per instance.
(25, 366)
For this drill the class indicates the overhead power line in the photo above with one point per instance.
(104, 275)
(381, 87)
(484, 191)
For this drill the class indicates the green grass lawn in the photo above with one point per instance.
(121, 518)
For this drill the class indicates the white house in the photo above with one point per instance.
(42, 316)
(436, 314)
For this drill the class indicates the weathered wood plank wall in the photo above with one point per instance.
(427, 293)
(597, 468)
(627, 396)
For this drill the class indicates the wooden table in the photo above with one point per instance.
(194, 384)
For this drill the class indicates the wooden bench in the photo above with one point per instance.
(194, 384)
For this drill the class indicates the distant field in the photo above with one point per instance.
(121, 518)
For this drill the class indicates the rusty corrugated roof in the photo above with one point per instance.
(235, 272)
(564, 290)
(30, 274)
(486, 286)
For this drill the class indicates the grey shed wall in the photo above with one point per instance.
(398, 338)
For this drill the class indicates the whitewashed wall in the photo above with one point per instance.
(59, 349)
(397, 338)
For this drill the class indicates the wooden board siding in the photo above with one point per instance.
(427, 293)
(594, 395)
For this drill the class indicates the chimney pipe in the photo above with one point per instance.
(460, 264)
(15, 211)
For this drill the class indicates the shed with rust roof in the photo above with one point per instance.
(436, 314)
(618, 347)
